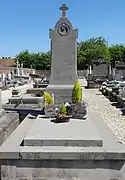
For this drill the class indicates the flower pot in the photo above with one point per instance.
(62, 119)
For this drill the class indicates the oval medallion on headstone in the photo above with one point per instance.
(63, 29)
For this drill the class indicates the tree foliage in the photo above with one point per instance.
(117, 53)
(88, 51)
(40, 61)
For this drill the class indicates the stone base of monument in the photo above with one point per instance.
(65, 134)
(40, 149)
(62, 93)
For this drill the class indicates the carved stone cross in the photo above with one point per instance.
(64, 8)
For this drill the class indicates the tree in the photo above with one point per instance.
(88, 51)
(117, 53)
(40, 61)
(25, 58)
(92, 50)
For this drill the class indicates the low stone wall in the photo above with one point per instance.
(8, 123)
(35, 90)
(63, 169)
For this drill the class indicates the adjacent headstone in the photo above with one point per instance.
(64, 59)
(100, 69)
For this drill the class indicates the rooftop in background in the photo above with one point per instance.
(7, 62)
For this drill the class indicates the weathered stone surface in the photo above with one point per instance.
(79, 110)
(60, 162)
(62, 93)
(64, 60)
(58, 169)
(8, 123)
(65, 134)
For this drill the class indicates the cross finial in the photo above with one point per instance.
(64, 8)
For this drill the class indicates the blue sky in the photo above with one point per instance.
(24, 24)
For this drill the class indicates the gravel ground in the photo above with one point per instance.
(110, 114)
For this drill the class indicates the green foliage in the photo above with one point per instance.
(63, 109)
(48, 98)
(88, 51)
(40, 61)
(76, 93)
(92, 50)
(117, 53)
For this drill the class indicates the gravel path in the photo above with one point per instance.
(110, 114)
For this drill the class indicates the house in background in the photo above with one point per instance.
(9, 70)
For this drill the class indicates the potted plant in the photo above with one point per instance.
(76, 93)
(48, 105)
(48, 100)
(78, 106)
(62, 116)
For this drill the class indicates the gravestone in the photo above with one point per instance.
(64, 59)
(100, 69)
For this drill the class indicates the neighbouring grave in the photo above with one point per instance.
(98, 74)
(8, 122)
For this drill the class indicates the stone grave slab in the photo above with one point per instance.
(74, 133)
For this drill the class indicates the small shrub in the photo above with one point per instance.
(76, 93)
(63, 109)
(48, 98)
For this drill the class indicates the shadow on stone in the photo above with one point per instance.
(56, 121)
(79, 164)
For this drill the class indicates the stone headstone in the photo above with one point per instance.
(64, 59)
(100, 69)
